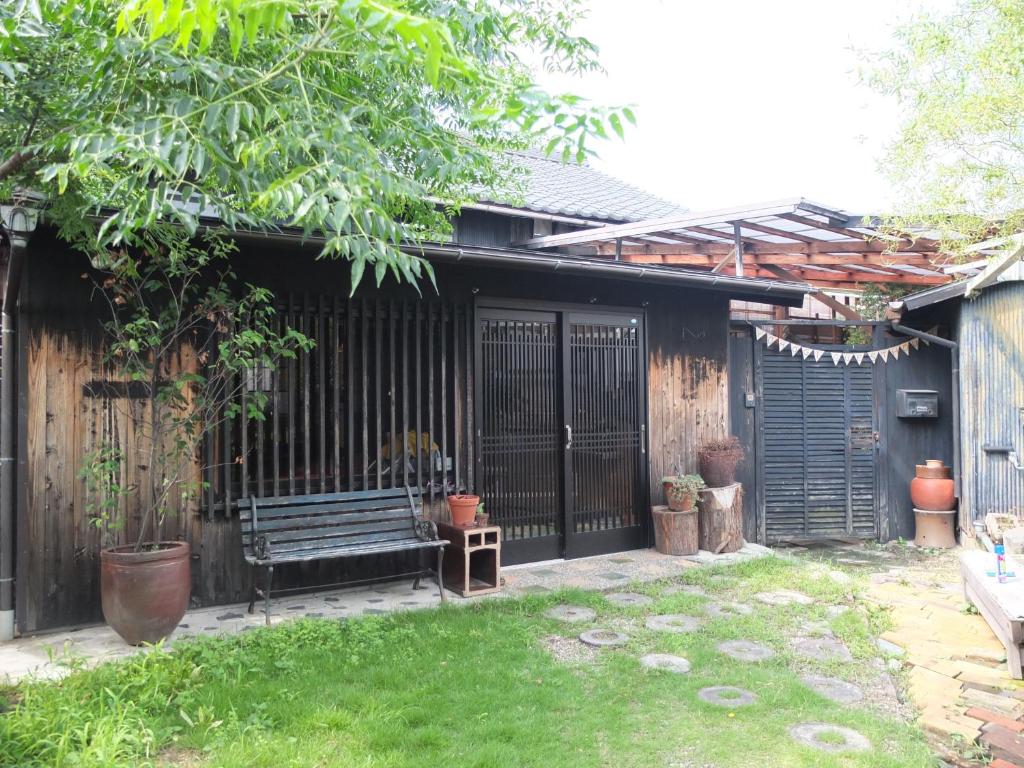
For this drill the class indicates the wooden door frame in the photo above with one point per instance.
(484, 305)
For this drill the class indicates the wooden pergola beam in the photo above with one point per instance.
(757, 246)
(777, 232)
(780, 259)
(835, 305)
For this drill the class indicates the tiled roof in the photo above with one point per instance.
(570, 189)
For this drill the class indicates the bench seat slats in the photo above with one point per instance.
(373, 505)
(318, 554)
(339, 537)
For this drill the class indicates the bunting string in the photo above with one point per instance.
(839, 358)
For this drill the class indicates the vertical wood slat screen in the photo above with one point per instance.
(333, 414)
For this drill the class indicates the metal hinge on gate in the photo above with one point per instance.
(643, 439)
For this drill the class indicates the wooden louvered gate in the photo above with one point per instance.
(562, 460)
(816, 448)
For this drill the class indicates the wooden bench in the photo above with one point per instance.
(1002, 605)
(300, 529)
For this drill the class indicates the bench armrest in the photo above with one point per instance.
(426, 530)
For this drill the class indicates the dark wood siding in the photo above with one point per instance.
(61, 352)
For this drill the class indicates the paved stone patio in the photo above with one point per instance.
(41, 655)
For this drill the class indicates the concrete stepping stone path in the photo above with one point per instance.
(665, 661)
(573, 614)
(727, 610)
(833, 689)
(673, 622)
(685, 589)
(821, 649)
(726, 696)
(604, 638)
(628, 599)
(746, 650)
(784, 597)
(829, 738)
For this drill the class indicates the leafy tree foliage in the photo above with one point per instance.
(959, 155)
(357, 119)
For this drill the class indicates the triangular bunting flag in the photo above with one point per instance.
(915, 343)
(836, 357)
(859, 357)
(759, 333)
(771, 340)
(905, 348)
(895, 352)
(783, 345)
(794, 349)
(873, 357)
(807, 351)
(818, 354)
(884, 354)
(847, 357)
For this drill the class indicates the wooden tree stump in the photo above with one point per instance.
(675, 532)
(721, 518)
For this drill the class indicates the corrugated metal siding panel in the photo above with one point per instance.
(992, 396)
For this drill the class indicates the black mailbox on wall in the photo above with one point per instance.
(917, 404)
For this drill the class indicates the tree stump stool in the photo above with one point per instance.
(675, 532)
(721, 518)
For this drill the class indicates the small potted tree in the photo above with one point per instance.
(681, 491)
(182, 335)
(675, 525)
(718, 460)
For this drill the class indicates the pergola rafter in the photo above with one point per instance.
(823, 246)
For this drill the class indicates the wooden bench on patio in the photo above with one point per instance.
(1002, 605)
(300, 529)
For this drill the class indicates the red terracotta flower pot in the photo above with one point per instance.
(678, 501)
(144, 594)
(935, 494)
(463, 508)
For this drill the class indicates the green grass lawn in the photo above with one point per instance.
(469, 686)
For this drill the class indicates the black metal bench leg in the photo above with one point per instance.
(440, 573)
(266, 595)
(252, 588)
(416, 582)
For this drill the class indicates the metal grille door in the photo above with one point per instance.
(520, 430)
(604, 433)
(818, 448)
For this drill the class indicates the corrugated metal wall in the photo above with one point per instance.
(992, 397)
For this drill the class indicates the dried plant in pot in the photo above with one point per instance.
(681, 491)
(718, 460)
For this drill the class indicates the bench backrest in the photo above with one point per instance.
(283, 524)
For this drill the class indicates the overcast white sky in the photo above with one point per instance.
(741, 101)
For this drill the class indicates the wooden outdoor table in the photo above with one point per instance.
(1002, 605)
(473, 562)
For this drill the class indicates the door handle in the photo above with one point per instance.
(568, 437)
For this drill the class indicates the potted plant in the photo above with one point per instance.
(718, 460)
(462, 507)
(482, 518)
(681, 491)
(183, 339)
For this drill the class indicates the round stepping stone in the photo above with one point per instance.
(726, 696)
(784, 597)
(834, 689)
(665, 661)
(821, 649)
(603, 638)
(746, 650)
(829, 738)
(673, 622)
(727, 610)
(628, 599)
(571, 613)
(817, 629)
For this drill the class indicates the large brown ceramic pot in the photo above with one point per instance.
(933, 488)
(145, 593)
(463, 508)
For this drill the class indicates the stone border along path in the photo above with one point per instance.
(604, 638)
(726, 696)
(673, 622)
(665, 661)
(814, 735)
(629, 599)
(746, 650)
(571, 613)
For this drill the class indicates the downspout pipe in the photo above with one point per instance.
(17, 224)
(8, 432)
(954, 354)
